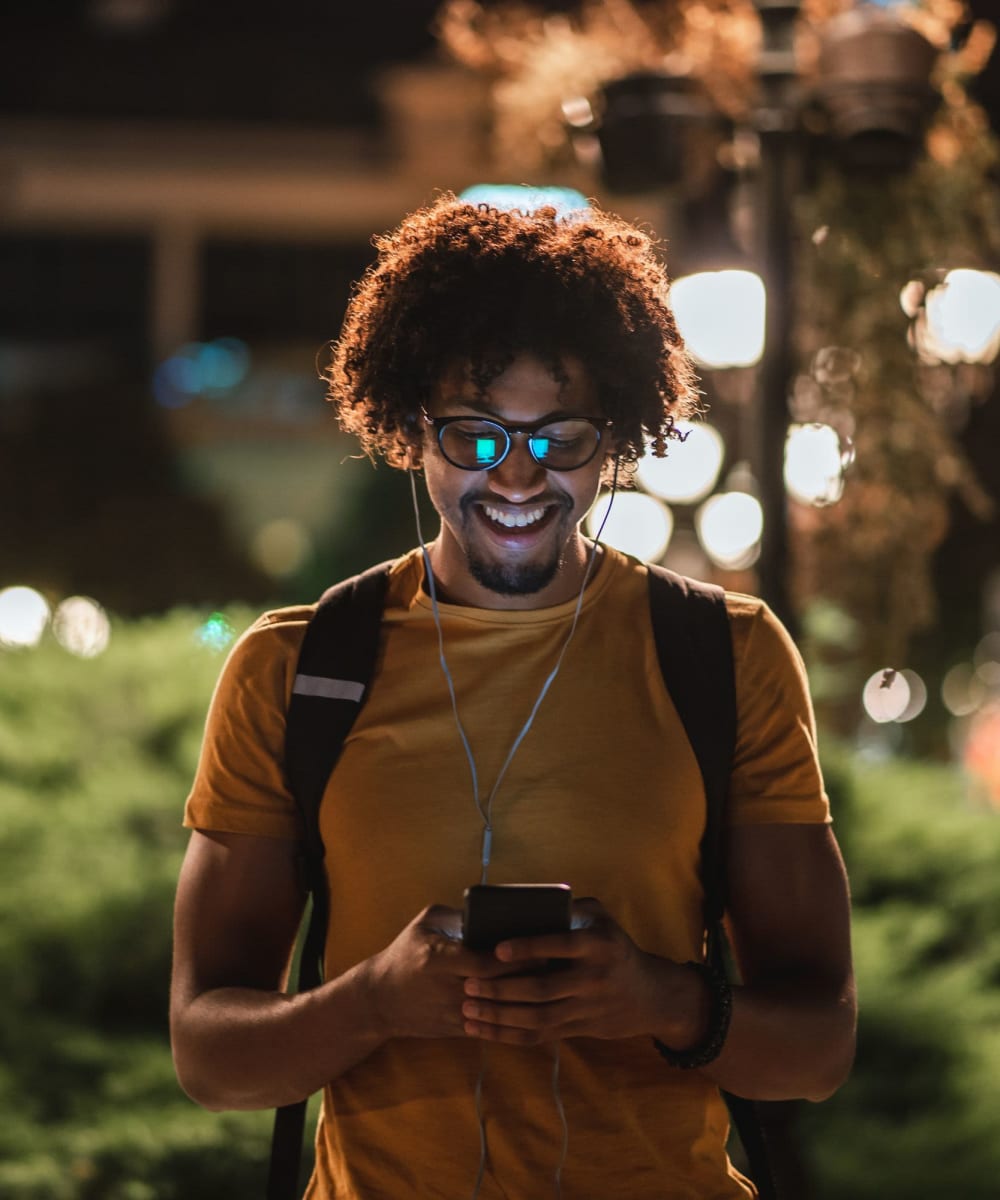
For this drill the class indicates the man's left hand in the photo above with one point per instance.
(604, 987)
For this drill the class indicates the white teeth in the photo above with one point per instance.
(514, 520)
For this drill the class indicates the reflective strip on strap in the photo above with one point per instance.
(330, 689)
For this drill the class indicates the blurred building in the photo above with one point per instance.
(187, 192)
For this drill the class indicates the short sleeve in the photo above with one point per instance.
(240, 784)
(776, 773)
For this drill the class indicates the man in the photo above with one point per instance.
(518, 726)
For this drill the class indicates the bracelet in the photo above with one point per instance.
(720, 1012)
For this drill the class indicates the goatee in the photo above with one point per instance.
(512, 578)
(507, 579)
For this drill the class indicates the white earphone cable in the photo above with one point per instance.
(486, 812)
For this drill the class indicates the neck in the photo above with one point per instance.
(456, 585)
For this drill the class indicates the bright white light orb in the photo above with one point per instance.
(637, 524)
(962, 318)
(691, 467)
(729, 526)
(24, 613)
(814, 464)
(918, 697)
(886, 695)
(720, 315)
(81, 626)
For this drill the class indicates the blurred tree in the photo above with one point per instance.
(858, 239)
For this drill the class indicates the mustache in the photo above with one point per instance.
(467, 503)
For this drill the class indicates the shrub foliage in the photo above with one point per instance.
(95, 760)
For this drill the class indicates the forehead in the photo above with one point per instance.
(528, 388)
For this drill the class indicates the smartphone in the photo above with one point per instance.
(497, 911)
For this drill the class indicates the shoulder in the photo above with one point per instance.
(274, 641)
(757, 632)
(776, 775)
(271, 644)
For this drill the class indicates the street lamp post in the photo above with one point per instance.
(872, 103)
(776, 123)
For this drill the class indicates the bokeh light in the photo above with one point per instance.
(280, 547)
(986, 660)
(886, 695)
(24, 613)
(216, 633)
(82, 627)
(981, 752)
(918, 696)
(729, 527)
(200, 368)
(525, 198)
(814, 464)
(960, 321)
(637, 524)
(962, 691)
(720, 315)
(691, 467)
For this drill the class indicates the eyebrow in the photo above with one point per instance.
(557, 414)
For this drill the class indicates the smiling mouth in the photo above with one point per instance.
(520, 519)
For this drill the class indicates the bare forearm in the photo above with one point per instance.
(242, 1048)
(786, 1041)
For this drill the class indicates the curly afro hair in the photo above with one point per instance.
(458, 283)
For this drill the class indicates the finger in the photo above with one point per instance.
(506, 1035)
(535, 1017)
(441, 919)
(481, 965)
(528, 989)
(578, 943)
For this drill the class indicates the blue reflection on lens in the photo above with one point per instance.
(486, 450)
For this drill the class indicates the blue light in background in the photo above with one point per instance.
(199, 368)
(216, 633)
(509, 196)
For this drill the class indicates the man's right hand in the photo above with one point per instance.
(416, 983)
(239, 1040)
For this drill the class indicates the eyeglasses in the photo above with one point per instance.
(479, 444)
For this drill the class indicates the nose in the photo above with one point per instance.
(518, 477)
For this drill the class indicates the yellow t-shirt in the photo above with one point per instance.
(604, 793)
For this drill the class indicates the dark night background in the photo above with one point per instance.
(92, 482)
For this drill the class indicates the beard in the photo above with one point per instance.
(512, 578)
(507, 579)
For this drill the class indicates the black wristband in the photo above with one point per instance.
(720, 1012)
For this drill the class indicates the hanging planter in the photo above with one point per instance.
(875, 87)
(658, 129)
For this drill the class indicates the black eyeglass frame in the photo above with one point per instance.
(440, 424)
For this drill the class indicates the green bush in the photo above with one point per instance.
(96, 757)
(95, 760)
(918, 1116)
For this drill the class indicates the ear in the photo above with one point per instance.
(413, 430)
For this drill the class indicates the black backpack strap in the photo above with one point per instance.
(335, 667)
(695, 651)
